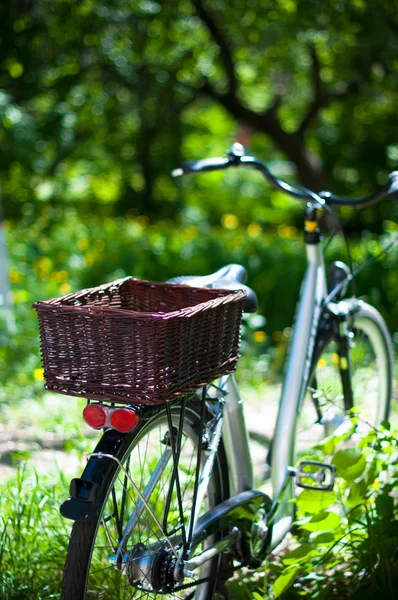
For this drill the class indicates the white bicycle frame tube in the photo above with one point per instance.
(296, 375)
(295, 381)
(235, 438)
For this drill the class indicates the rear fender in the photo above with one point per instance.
(87, 493)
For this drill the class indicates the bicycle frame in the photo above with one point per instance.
(296, 376)
(295, 381)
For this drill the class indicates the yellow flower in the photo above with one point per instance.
(65, 288)
(15, 277)
(90, 260)
(82, 244)
(254, 230)
(287, 231)
(229, 221)
(60, 276)
(44, 264)
(191, 232)
(38, 374)
(259, 336)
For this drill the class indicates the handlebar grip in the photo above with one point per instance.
(393, 189)
(202, 166)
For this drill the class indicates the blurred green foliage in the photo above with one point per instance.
(59, 251)
(99, 100)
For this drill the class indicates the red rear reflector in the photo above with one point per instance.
(94, 415)
(124, 420)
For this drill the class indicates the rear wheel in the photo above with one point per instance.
(98, 567)
(326, 408)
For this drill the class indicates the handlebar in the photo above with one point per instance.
(236, 157)
(202, 166)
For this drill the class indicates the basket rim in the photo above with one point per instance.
(54, 304)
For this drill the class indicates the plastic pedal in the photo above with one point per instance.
(323, 477)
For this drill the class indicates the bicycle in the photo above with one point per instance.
(166, 504)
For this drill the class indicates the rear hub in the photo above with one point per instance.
(151, 569)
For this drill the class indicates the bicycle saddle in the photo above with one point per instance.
(230, 277)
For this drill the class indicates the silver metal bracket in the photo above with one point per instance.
(221, 546)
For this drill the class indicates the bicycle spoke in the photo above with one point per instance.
(138, 497)
(176, 451)
(123, 496)
(197, 471)
(116, 514)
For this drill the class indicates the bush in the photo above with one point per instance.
(347, 540)
(57, 251)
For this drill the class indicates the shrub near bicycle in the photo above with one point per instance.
(166, 504)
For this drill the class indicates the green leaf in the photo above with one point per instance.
(384, 505)
(299, 554)
(328, 447)
(371, 473)
(323, 539)
(284, 581)
(313, 501)
(332, 442)
(350, 463)
(323, 521)
(357, 493)
(368, 439)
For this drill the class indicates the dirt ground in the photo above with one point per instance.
(46, 450)
(46, 453)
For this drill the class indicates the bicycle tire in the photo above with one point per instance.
(371, 358)
(86, 553)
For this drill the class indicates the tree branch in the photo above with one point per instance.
(319, 97)
(222, 43)
(266, 121)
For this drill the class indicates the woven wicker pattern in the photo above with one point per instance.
(138, 341)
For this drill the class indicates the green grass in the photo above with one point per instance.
(33, 537)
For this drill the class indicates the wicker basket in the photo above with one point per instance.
(138, 341)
